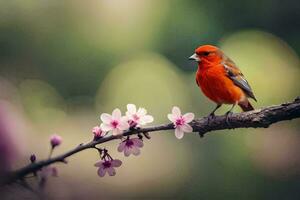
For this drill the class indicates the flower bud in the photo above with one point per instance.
(32, 158)
(55, 140)
(98, 132)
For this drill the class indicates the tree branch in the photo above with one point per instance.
(260, 118)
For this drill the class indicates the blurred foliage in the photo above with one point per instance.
(62, 63)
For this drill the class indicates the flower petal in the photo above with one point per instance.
(121, 146)
(116, 132)
(45, 172)
(116, 114)
(141, 112)
(106, 127)
(188, 117)
(131, 109)
(135, 151)
(123, 125)
(111, 171)
(106, 118)
(187, 128)
(127, 151)
(98, 164)
(54, 172)
(171, 117)
(146, 119)
(116, 163)
(101, 171)
(137, 142)
(179, 133)
(176, 112)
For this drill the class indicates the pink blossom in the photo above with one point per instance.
(108, 166)
(48, 171)
(181, 122)
(45, 173)
(131, 146)
(137, 117)
(98, 132)
(55, 140)
(115, 122)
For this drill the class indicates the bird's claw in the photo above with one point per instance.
(210, 117)
(228, 115)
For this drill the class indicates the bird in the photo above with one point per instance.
(221, 80)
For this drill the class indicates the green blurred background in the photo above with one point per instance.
(64, 62)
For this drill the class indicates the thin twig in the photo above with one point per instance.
(260, 118)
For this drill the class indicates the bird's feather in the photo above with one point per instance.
(234, 73)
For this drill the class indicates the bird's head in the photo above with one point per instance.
(207, 54)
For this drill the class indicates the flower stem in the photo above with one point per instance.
(50, 153)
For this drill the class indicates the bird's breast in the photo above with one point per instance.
(215, 84)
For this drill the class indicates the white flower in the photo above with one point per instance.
(181, 122)
(115, 122)
(137, 117)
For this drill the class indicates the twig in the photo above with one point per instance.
(260, 118)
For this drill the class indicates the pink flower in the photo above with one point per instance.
(108, 166)
(48, 171)
(45, 173)
(131, 146)
(55, 140)
(115, 122)
(137, 117)
(98, 132)
(181, 122)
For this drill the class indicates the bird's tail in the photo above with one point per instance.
(246, 106)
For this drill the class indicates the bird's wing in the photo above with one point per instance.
(197, 82)
(234, 73)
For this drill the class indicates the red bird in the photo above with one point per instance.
(221, 80)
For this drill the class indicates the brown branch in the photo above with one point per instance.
(260, 118)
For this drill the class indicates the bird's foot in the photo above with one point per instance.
(228, 115)
(210, 117)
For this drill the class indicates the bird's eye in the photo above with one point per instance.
(206, 53)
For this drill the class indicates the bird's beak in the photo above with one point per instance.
(194, 57)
